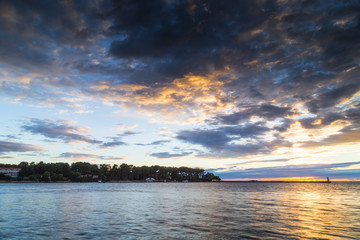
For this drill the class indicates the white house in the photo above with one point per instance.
(150, 179)
(11, 172)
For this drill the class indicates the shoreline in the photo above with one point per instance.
(118, 181)
(224, 181)
(259, 181)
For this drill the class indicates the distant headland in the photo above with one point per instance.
(275, 181)
(86, 172)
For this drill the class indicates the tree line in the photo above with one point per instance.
(86, 172)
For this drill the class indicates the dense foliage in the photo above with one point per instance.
(86, 172)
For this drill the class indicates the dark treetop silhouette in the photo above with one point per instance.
(86, 172)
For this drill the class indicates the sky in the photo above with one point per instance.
(245, 89)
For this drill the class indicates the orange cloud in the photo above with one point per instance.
(351, 137)
(191, 98)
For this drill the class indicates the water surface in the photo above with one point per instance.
(242, 210)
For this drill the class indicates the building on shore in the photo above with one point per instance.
(150, 179)
(10, 172)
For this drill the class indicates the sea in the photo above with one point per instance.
(216, 210)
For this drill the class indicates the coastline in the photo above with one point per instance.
(223, 181)
(117, 181)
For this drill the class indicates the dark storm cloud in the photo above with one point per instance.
(284, 47)
(315, 170)
(171, 38)
(174, 37)
(32, 29)
(58, 130)
(9, 146)
(170, 155)
(332, 97)
(62, 130)
(267, 111)
(223, 141)
(207, 138)
(332, 26)
(220, 137)
(354, 113)
(29, 55)
(177, 35)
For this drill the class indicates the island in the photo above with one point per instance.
(86, 172)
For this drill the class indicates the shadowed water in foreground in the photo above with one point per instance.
(225, 210)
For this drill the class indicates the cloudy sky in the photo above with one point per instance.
(246, 89)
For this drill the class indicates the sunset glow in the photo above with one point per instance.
(291, 179)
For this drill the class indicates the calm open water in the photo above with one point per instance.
(246, 210)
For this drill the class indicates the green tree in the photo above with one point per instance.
(45, 176)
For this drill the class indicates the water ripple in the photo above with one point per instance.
(180, 211)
